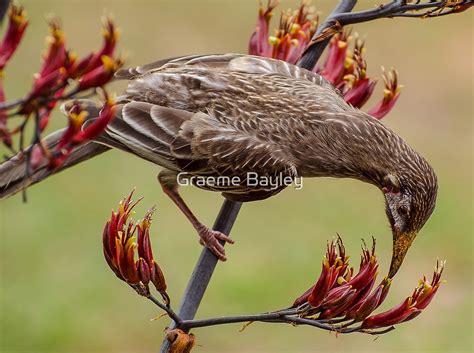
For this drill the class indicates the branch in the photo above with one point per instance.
(286, 317)
(400, 8)
(317, 45)
(273, 317)
(11, 104)
(342, 16)
(166, 308)
(204, 268)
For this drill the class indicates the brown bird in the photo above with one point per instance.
(231, 115)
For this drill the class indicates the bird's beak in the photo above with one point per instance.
(401, 244)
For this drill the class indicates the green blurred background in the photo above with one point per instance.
(57, 294)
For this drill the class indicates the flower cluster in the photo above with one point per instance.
(342, 300)
(17, 24)
(340, 296)
(62, 76)
(120, 246)
(344, 67)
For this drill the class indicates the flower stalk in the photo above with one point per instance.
(341, 300)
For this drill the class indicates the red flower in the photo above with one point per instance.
(290, 40)
(148, 269)
(12, 37)
(17, 24)
(334, 265)
(334, 66)
(94, 60)
(75, 134)
(50, 81)
(344, 68)
(5, 135)
(365, 306)
(259, 44)
(339, 296)
(56, 55)
(412, 306)
(101, 74)
(120, 245)
(390, 95)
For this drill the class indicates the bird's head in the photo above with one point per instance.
(410, 199)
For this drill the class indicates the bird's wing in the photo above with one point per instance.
(227, 150)
(224, 114)
(232, 62)
(195, 142)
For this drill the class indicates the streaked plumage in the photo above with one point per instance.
(233, 114)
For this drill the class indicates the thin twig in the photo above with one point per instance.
(204, 268)
(280, 317)
(400, 8)
(11, 104)
(342, 16)
(167, 309)
(316, 47)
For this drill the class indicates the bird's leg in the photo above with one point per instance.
(208, 237)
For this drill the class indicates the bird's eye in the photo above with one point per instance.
(403, 210)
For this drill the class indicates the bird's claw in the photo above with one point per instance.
(211, 240)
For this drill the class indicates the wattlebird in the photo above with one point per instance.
(231, 115)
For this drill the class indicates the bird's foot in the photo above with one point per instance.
(210, 239)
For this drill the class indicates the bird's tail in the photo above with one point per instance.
(13, 175)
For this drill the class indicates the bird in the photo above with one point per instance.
(228, 115)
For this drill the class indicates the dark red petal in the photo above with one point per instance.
(341, 308)
(364, 277)
(369, 304)
(94, 129)
(323, 285)
(390, 317)
(389, 321)
(426, 299)
(13, 35)
(158, 278)
(258, 44)
(143, 271)
(333, 68)
(358, 95)
(337, 296)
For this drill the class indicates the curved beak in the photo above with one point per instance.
(401, 244)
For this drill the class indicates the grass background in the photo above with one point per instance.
(57, 294)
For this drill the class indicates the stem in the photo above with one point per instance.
(314, 50)
(393, 8)
(278, 317)
(204, 268)
(11, 104)
(167, 309)
(186, 325)
(342, 16)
